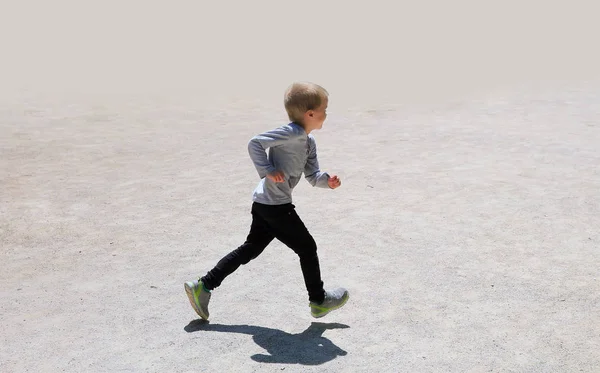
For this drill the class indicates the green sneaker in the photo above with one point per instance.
(198, 297)
(334, 299)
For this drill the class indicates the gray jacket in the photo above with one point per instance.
(292, 152)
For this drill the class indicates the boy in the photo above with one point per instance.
(292, 151)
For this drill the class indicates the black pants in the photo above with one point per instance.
(269, 222)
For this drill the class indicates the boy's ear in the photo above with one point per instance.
(310, 113)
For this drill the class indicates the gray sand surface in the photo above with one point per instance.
(467, 138)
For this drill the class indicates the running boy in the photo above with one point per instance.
(292, 151)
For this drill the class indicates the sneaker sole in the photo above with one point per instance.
(331, 309)
(190, 293)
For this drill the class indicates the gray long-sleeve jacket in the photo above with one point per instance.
(292, 152)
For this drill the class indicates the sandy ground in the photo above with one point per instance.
(466, 229)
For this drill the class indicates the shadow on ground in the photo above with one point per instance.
(306, 348)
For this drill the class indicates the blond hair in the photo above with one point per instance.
(301, 97)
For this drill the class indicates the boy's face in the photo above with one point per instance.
(315, 118)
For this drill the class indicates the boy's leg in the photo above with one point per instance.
(258, 239)
(288, 228)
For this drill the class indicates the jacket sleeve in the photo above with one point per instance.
(258, 145)
(312, 173)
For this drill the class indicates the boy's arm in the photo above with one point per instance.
(312, 173)
(258, 145)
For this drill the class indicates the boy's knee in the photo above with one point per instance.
(312, 247)
(307, 248)
(248, 252)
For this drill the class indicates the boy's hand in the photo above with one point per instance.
(276, 177)
(334, 182)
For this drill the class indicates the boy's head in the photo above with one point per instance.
(306, 104)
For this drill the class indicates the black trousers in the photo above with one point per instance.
(269, 222)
